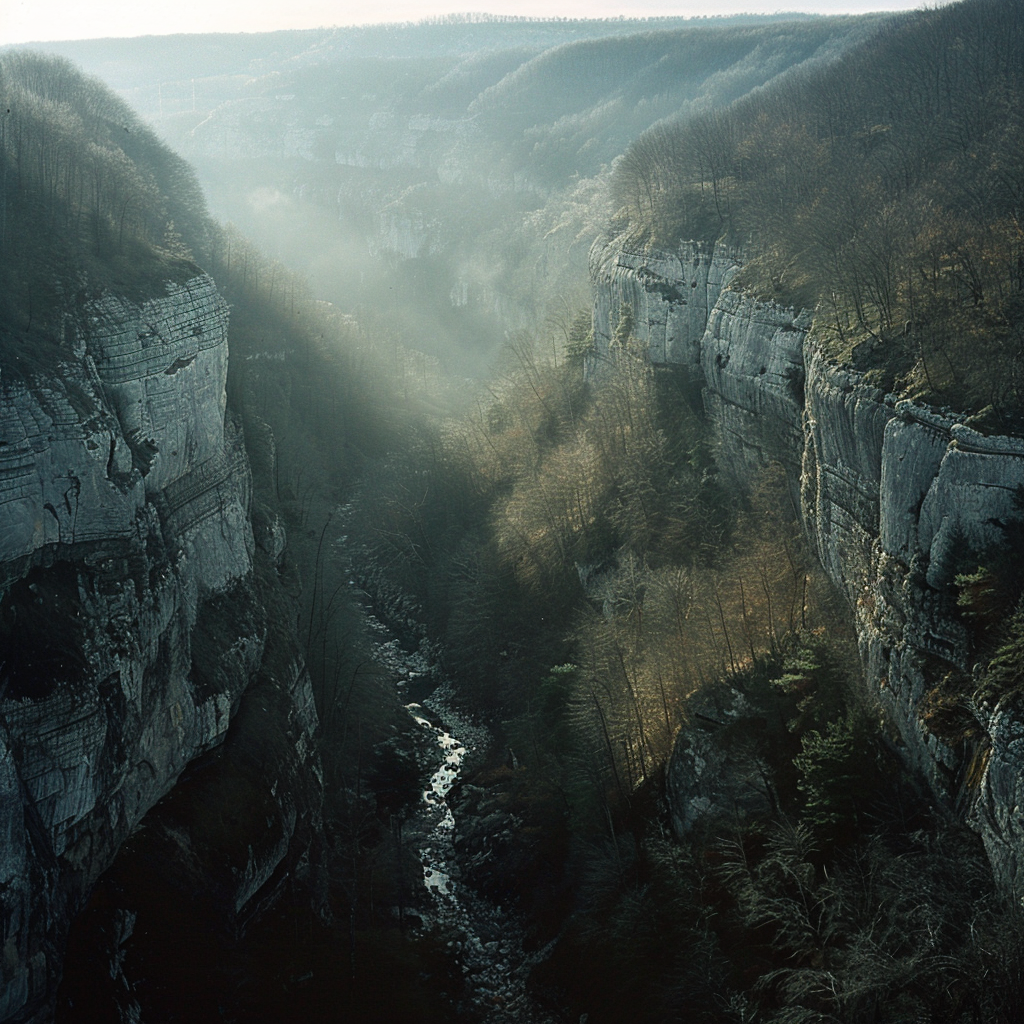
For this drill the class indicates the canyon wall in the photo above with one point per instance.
(896, 499)
(131, 625)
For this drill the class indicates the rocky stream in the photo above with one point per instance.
(484, 940)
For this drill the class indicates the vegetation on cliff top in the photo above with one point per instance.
(90, 200)
(885, 190)
(594, 588)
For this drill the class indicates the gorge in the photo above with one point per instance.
(719, 538)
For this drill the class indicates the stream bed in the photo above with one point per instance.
(484, 940)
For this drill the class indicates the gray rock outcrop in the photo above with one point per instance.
(130, 624)
(671, 296)
(895, 497)
(715, 778)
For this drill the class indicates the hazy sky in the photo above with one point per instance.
(24, 21)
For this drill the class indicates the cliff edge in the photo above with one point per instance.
(132, 624)
(895, 498)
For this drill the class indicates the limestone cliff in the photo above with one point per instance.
(130, 623)
(893, 497)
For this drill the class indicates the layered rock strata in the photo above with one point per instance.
(124, 539)
(895, 497)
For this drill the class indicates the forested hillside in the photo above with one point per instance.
(90, 199)
(701, 803)
(884, 191)
(451, 174)
(139, 68)
(687, 803)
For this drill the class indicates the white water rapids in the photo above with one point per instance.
(435, 875)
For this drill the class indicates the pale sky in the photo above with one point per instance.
(23, 21)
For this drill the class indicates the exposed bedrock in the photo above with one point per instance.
(896, 499)
(125, 539)
(670, 296)
(222, 847)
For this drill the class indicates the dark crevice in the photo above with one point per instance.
(39, 633)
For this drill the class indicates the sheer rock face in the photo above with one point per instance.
(124, 519)
(895, 498)
(670, 296)
(752, 363)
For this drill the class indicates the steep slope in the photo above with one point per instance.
(897, 498)
(133, 626)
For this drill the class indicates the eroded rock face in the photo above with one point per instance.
(213, 856)
(899, 499)
(895, 498)
(671, 296)
(752, 363)
(124, 522)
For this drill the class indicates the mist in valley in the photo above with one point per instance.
(449, 177)
(587, 660)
